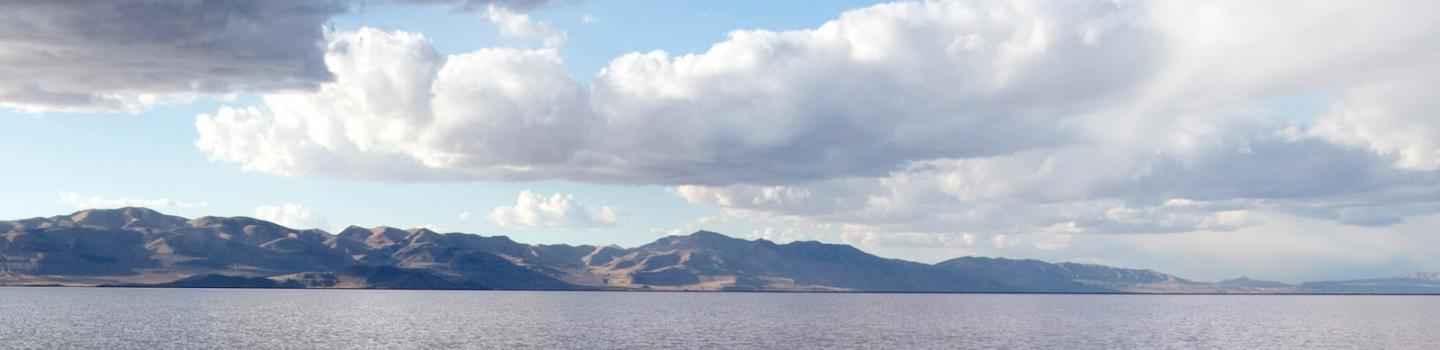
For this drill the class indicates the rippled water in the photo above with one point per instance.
(234, 318)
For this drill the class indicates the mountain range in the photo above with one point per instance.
(138, 247)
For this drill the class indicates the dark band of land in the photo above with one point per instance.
(138, 247)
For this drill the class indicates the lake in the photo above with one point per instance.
(380, 319)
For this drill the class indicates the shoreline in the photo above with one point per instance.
(728, 291)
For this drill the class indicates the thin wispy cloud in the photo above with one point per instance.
(100, 202)
(292, 215)
(520, 25)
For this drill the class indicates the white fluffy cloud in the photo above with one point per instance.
(532, 210)
(870, 93)
(780, 235)
(292, 215)
(520, 25)
(862, 95)
(985, 118)
(98, 202)
(518, 5)
(1186, 152)
(398, 110)
(1393, 118)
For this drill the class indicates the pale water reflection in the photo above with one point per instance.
(220, 318)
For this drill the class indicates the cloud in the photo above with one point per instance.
(1222, 185)
(92, 202)
(862, 95)
(910, 239)
(1392, 118)
(465, 216)
(399, 111)
(520, 25)
(701, 223)
(292, 215)
(116, 55)
(532, 210)
(867, 94)
(1288, 248)
(469, 5)
(914, 118)
(779, 235)
(128, 55)
(1283, 247)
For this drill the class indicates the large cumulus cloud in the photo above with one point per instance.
(862, 95)
(996, 117)
(400, 111)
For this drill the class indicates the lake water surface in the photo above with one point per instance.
(237, 318)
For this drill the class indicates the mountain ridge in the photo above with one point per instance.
(140, 247)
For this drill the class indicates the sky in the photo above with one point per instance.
(1292, 141)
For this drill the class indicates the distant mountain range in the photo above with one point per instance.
(138, 247)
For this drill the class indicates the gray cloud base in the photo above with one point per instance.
(88, 54)
(117, 55)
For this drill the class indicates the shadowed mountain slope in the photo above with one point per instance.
(142, 247)
(131, 246)
(1410, 283)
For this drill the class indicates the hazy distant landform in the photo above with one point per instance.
(142, 247)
